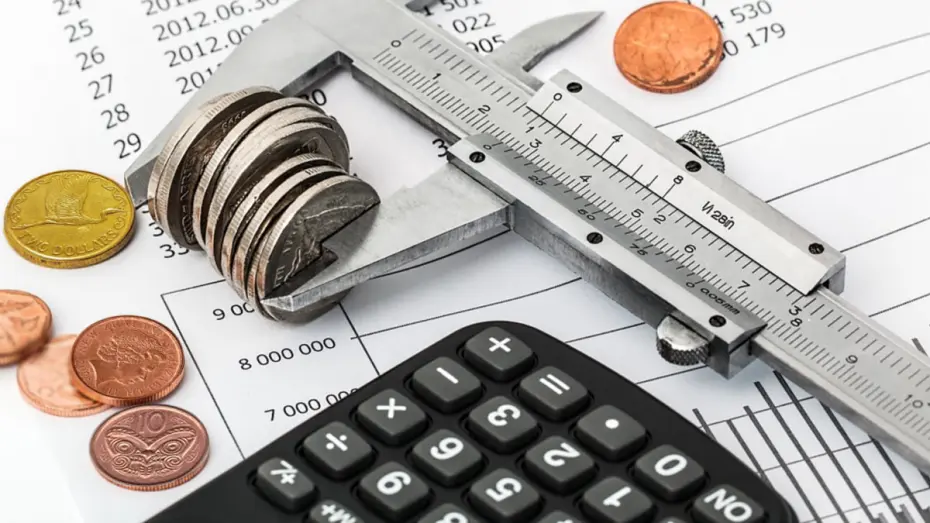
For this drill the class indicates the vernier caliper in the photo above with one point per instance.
(650, 221)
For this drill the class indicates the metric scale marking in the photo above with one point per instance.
(646, 221)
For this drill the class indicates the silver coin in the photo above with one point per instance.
(170, 145)
(294, 242)
(269, 209)
(203, 194)
(265, 148)
(250, 285)
(258, 194)
(175, 193)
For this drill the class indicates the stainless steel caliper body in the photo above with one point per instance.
(657, 227)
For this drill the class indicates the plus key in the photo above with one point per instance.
(498, 354)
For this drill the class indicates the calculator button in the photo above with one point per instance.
(725, 504)
(610, 433)
(498, 354)
(559, 465)
(501, 425)
(337, 451)
(613, 500)
(446, 458)
(393, 491)
(392, 417)
(445, 385)
(503, 497)
(668, 472)
(559, 517)
(552, 393)
(285, 485)
(331, 512)
(448, 513)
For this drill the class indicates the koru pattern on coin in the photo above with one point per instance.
(150, 447)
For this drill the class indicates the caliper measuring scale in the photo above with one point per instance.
(720, 274)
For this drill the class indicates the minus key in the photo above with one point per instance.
(445, 385)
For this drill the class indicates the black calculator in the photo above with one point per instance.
(497, 422)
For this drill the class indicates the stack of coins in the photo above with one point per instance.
(123, 361)
(257, 180)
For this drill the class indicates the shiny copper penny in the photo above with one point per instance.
(25, 325)
(668, 47)
(45, 384)
(150, 447)
(126, 360)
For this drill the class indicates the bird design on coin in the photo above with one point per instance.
(69, 219)
(65, 200)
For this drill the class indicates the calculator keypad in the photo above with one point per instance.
(459, 415)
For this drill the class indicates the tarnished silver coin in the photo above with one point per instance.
(258, 194)
(294, 242)
(182, 172)
(264, 148)
(203, 193)
(271, 207)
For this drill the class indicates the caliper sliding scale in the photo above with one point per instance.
(720, 274)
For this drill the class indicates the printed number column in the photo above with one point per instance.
(266, 377)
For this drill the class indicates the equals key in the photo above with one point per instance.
(445, 385)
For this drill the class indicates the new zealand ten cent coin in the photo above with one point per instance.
(150, 447)
(25, 324)
(44, 382)
(126, 360)
(69, 219)
(668, 47)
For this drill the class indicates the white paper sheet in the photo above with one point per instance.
(828, 122)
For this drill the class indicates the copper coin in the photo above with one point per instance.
(126, 360)
(45, 384)
(150, 447)
(668, 47)
(25, 325)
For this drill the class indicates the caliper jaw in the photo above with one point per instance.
(290, 54)
(445, 210)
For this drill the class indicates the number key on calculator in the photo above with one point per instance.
(498, 422)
